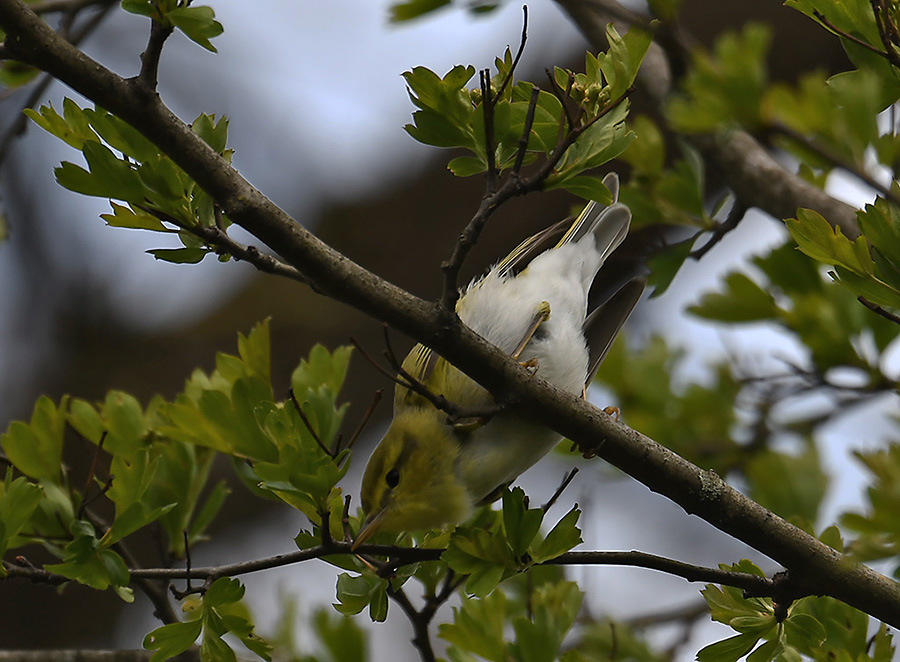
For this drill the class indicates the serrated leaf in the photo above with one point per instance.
(199, 24)
(826, 243)
(562, 537)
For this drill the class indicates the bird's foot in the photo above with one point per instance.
(540, 316)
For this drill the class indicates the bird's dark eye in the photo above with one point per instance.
(392, 478)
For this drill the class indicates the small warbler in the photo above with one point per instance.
(429, 472)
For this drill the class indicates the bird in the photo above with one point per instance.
(430, 471)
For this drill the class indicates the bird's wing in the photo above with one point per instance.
(529, 249)
(605, 321)
(437, 375)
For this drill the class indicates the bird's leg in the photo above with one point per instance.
(541, 315)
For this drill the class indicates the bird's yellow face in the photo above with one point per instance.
(410, 482)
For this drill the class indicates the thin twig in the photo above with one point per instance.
(559, 490)
(308, 424)
(221, 240)
(149, 74)
(849, 37)
(69, 6)
(469, 236)
(834, 159)
(563, 97)
(515, 63)
(875, 308)
(90, 478)
(887, 31)
(526, 131)
(454, 412)
(735, 216)
(487, 111)
(376, 398)
(401, 556)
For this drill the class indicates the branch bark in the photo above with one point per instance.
(813, 566)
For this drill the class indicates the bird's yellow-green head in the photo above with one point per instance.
(411, 482)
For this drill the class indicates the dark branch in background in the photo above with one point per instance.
(887, 30)
(735, 216)
(419, 621)
(875, 308)
(67, 6)
(364, 421)
(559, 490)
(18, 126)
(835, 159)
(814, 567)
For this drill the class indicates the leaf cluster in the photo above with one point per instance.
(577, 126)
(123, 165)
(152, 466)
(812, 628)
(197, 22)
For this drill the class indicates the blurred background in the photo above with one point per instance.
(316, 106)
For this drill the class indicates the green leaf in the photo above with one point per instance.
(72, 132)
(198, 23)
(406, 11)
(804, 632)
(125, 217)
(180, 255)
(520, 523)
(171, 640)
(214, 133)
(478, 627)
(342, 638)
(728, 650)
(665, 265)
(742, 301)
(789, 485)
(18, 501)
(562, 537)
(466, 166)
(821, 241)
(35, 448)
(589, 188)
(356, 592)
(209, 510)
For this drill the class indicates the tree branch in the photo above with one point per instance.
(401, 556)
(814, 567)
(419, 620)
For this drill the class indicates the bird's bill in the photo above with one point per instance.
(371, 524)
